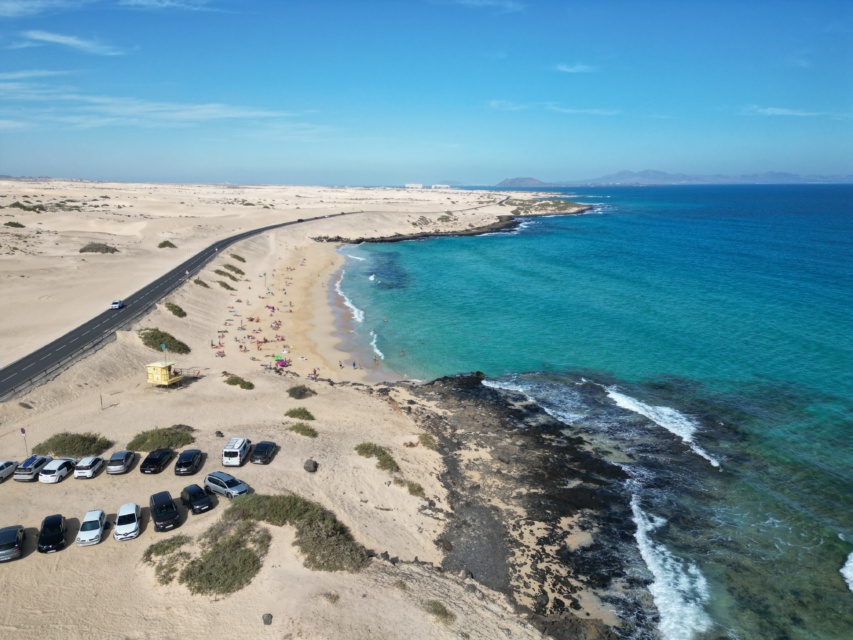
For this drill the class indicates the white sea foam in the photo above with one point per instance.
(357, 314)
(375, 348)
(355, 257)
(670, 419)
(679, 588)
(561, 413)
(372, 277)
(847, 571)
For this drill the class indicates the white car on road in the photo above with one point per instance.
(92, 528)
(56, 470)
(116, 304)
(88, 467)
(127, 522)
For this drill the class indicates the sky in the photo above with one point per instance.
(372, 92)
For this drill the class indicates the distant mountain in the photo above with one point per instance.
(650, 177)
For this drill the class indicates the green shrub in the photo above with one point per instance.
(300, 392)
(234, 269)
(175, 309)
(238, 381)
(238, 258)
(427, 441)
(225, 274)
(299, 413)
(225, 285)
(232, 556)
(326, 543)
(170, 558)
(201, 283)
(74, 445)
(401, 585)
(437, 609)
(415, 489)
(303, 430)
(331, 597)
(174, 437)
(98, 247)
(153, 338)
(14, 223)
(37, 208)
(165, 547)
(384, 460)
(166, 244)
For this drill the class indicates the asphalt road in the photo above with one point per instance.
(21, 373)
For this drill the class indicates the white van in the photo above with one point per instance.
(236, 451)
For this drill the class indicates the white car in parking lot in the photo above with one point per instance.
(56, 470)
(88, 467)
(7, 468)
(127, 522)
(92, 528)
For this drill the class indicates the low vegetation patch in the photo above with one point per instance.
(13, 223)
(414, 488)
(326, 543)
(303, 430)
(237, 381)
(225, 274)
(299, 413)
(167, 558)
(442, 613)
(73, 445)
(201, 283)
(37, 208)
(225, 285)
(174, 437)
(331, 597)
(153, 338)
(384, 460)
(166, 244)
(300, 392)
(98, 247)
(234, 269)
(176, 310)
(233, 553)
(238, 258)
(427, 441)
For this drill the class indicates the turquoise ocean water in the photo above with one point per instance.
(717, 318)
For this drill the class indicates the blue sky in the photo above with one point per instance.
(387, 92)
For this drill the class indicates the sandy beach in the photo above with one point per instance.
(277, 305)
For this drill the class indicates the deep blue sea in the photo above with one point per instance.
(718, 317)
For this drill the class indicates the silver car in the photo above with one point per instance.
(11, 542)
(29, 469)
(7, 468)
(92, 528)
(120, 462)
(225, 484)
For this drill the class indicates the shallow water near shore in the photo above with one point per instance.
(704, 333)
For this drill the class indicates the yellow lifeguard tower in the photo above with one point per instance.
(161, 374)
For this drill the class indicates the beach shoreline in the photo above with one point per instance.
(278, 304)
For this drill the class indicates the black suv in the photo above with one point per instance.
(264, 451)
(164, 512)
(196, 499)
(156, 461)
(188, 462)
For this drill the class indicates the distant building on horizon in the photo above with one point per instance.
(440, 186)
(414, 185)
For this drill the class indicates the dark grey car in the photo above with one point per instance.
(11, 542)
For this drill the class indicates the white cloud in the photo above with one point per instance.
(575, 68)
(775, 111)
(86, 46)
(506, 105)
(505, 6)
(189, 5)
(32, 73)
(11, 125)
(22, 8)
(586, 112)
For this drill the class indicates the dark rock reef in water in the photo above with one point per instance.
(521, 473)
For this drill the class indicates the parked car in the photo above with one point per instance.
(116, 304)
(156, 461)
(11, 542)
(29, 469)
(196, 499)
(225, 484)
(7, 468)
(88, 467)
(188, 462)
(127, 522)
(92, 528)
(52, 534)
(120, 462)
(235, 452)
(164, 512)
(264, 451)
(56, 470)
